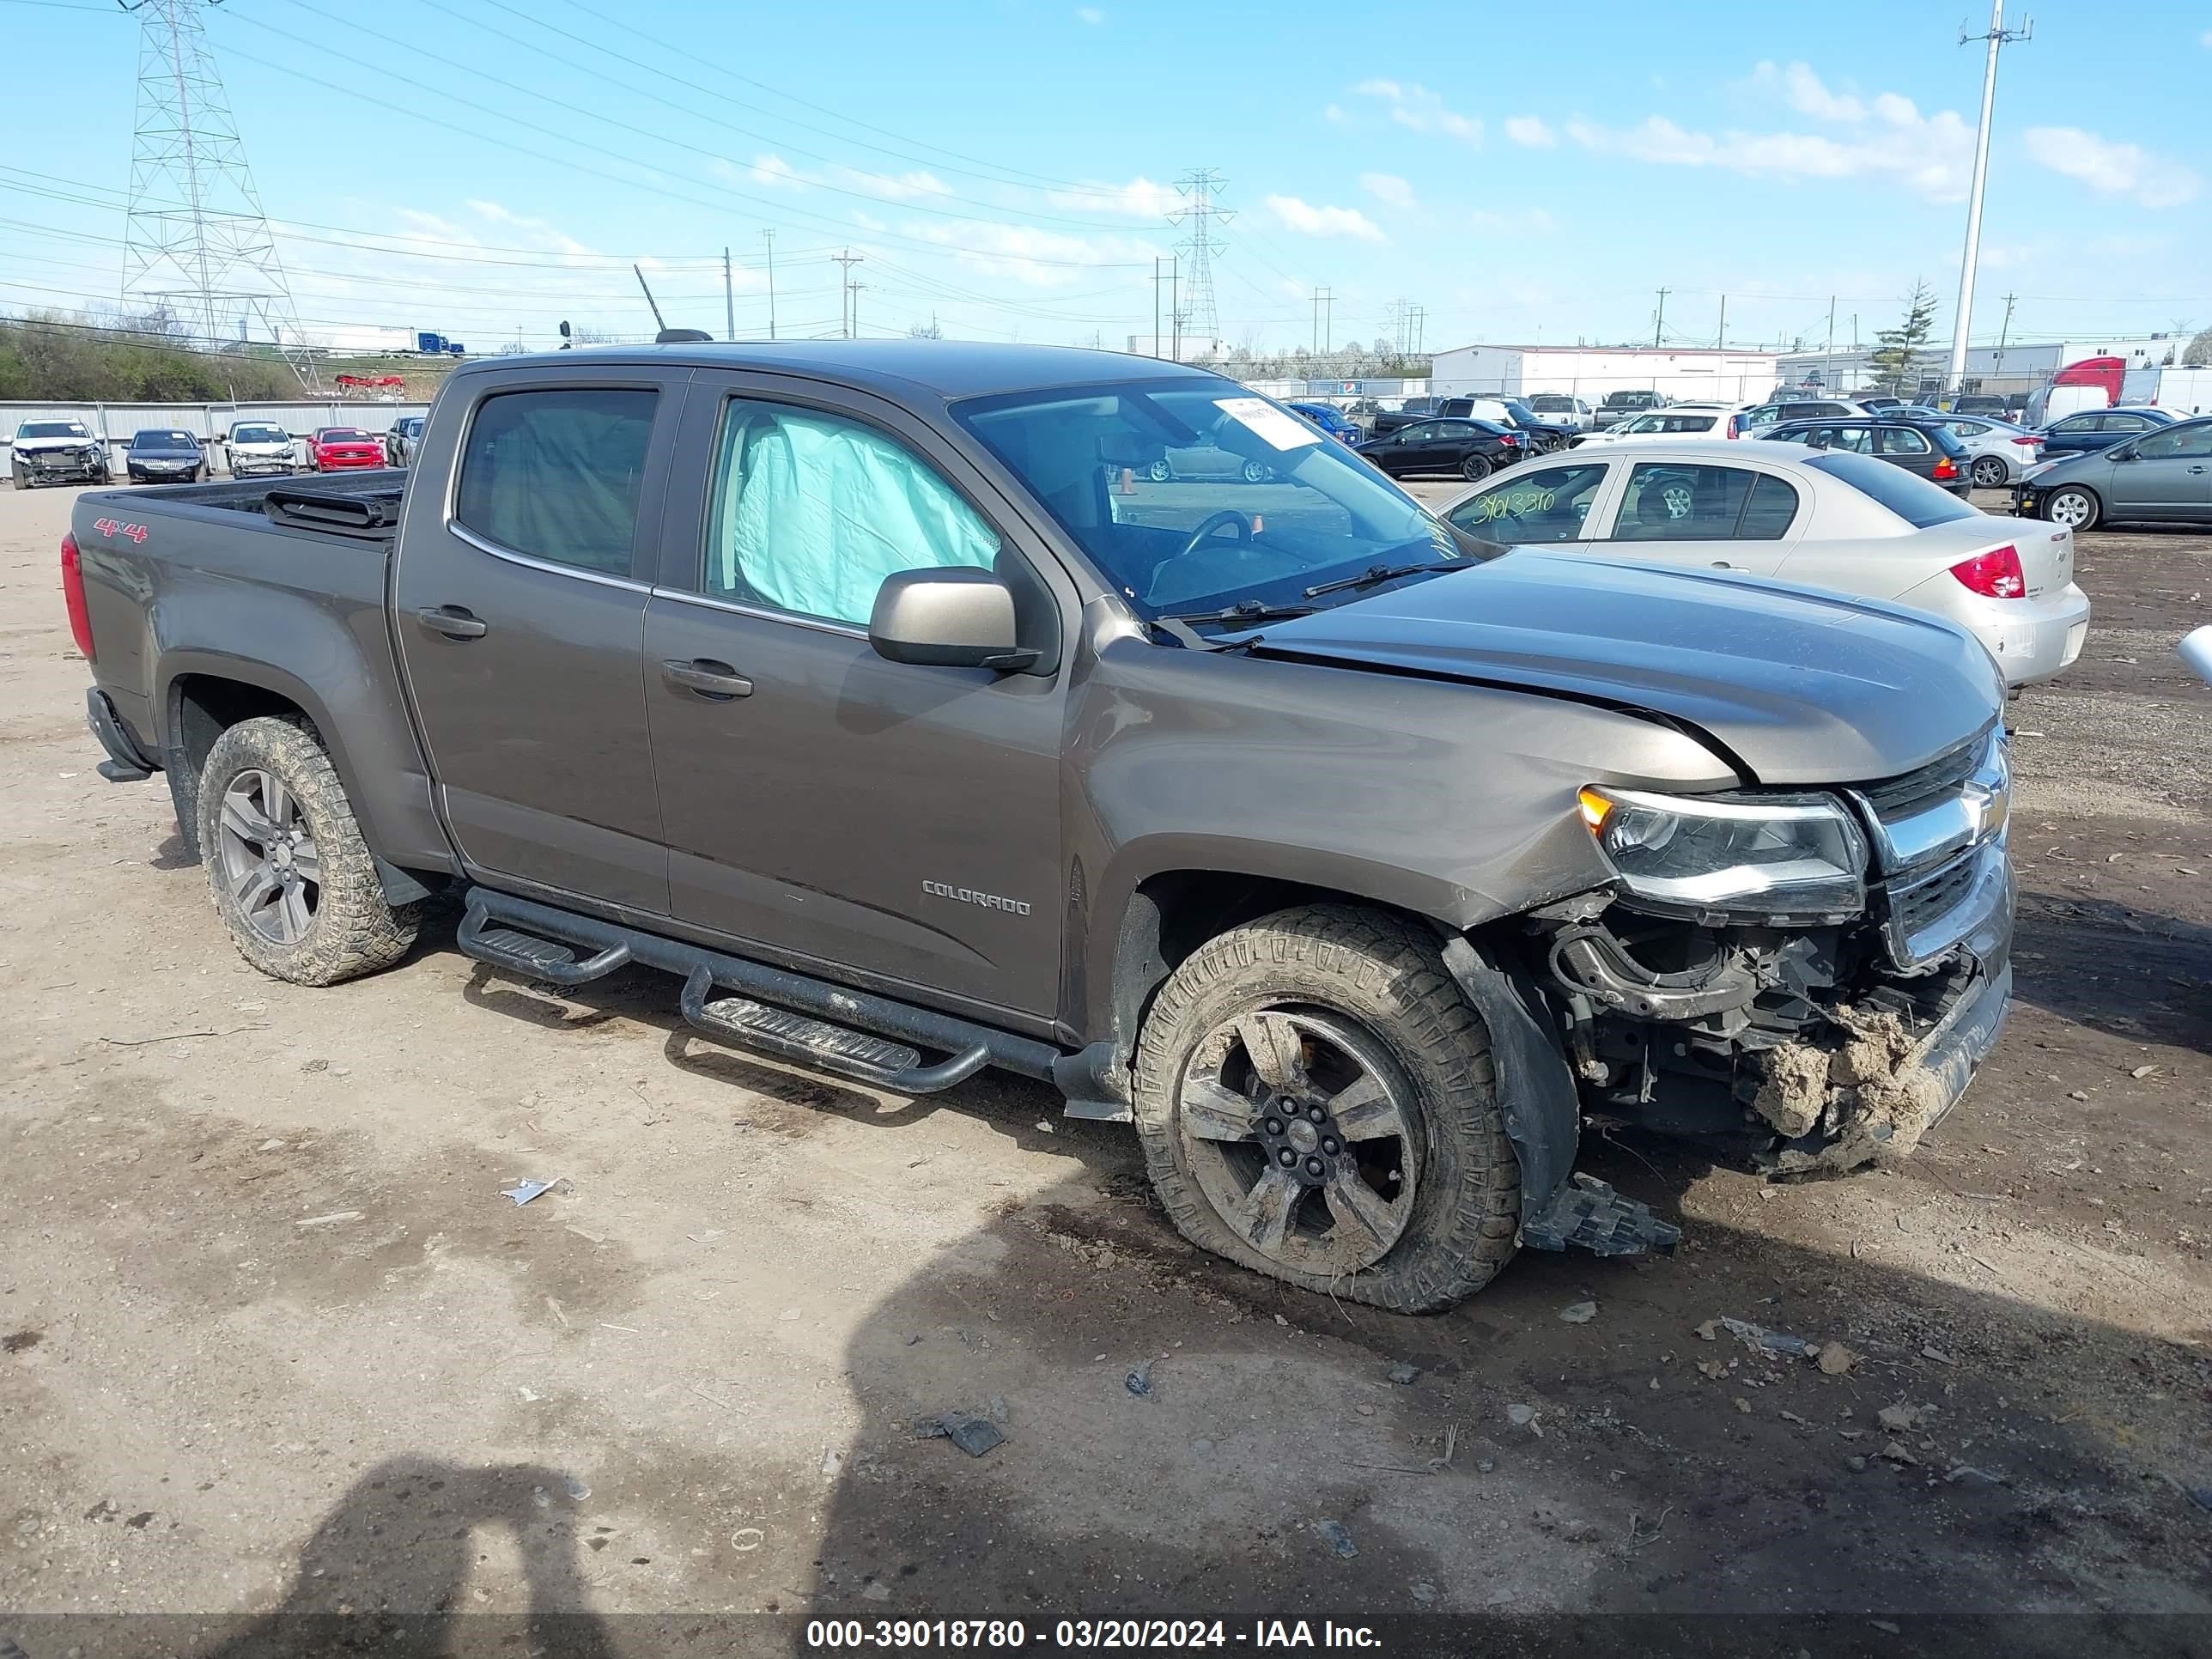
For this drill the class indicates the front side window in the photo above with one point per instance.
(2077, 423)
(1669, 502)
(2177, 442)
(556, 474)
(1551, 505)
(811, 512)
(1305, 512)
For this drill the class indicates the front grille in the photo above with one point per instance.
(1901, 797)
(1920, 906)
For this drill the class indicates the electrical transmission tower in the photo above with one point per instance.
(197, 244)
(1202, 212)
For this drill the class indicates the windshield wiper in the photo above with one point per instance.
(1375, 575)
(1179, 628)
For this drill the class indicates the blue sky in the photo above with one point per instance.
(1530, 172)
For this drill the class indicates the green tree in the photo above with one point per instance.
(2199, 355)
(1896, 358)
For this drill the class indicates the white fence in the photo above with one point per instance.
(116, 421)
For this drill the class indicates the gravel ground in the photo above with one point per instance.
(276, 1345)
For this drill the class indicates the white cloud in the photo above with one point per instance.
(1295, 214)
(1089, 15)
(772, 171)
(2111, 168)
(1336, 116)
(1883, 137)
(1035, 257)
(1414, 105)
(899, 187)
(2205, 39)
(1140, 198)
(1525, 222)
(1530, 133)
(1387, 188)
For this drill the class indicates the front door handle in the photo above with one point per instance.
(1723, 564)
(709, 678)
(453, 620)
(2196, 469)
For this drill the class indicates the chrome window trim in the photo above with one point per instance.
(821, 625)
(460, 532)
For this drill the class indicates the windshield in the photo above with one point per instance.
(342, 434)
(256, 435)
(1908, 494)
(164, 441)
(1196, 495)
(51, 429)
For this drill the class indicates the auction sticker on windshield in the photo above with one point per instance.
(1281, 430)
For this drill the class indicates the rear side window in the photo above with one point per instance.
(1908, 494)
(1770, 510)
(811, 512)
(1899, 441)
(556, 474)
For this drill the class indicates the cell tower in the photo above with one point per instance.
(197, 243)
(1202, 212)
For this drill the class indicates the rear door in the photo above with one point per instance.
(1703, 515)
(1906, 447)
(519, 596)
(887, 822)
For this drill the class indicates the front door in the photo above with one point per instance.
(2169, 475)
(1702, 516)
(1553, 506)
(520, 611)
(890, 823)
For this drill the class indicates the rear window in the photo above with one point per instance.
(1907, 495)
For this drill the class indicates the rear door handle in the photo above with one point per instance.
(2196, 469)
(709, 678)
(453, 620)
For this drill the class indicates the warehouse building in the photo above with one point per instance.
(2020, 366)
(1676, 372)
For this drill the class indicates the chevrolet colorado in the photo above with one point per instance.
(882, 693)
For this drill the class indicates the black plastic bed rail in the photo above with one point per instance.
(370, 515)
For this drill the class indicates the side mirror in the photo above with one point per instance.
(954, 618)
(2120, 452)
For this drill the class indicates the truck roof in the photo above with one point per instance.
(949, 369)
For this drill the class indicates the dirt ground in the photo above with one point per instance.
(276, 1345)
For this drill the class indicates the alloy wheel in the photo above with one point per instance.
(269, 863)
(1989, 472)
(2072, 508)
(1303, 1135)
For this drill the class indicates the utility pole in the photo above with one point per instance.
(1329, 320)
(1998, 35)
(1719, 340)
(729, 300)
(1319, 294)
(1659, 323)
(846, 307)
(1175, 304)
(857, 287)
(1156, 306)
(1831, 330)
(2004, 331)
(771, 283)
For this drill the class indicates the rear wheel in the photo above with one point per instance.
(1257, 472)
(2073, 507)
(1475, 467)
(291, 877)
(1159, 473)
(1316, 1102)
(1990, 472)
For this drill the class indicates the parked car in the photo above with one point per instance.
(2099, 428)
(1206, 460)
(335, 448)
(1676, 420)
(1492, 410)
(400, 439)
(57, 452)
(2163, 476)
(1822, 518)
(1542, 435)
(1620, 406)
(1997, 451)
(1473, 449)
(259, 447)
(1561, 410)
(1779, 410)
(164, 454)
(1878, 400)
(1327, 417)
(1977, 402)
(829, 750)
(1923, 448)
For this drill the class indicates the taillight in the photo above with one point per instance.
(2032, 442)
(1995, 575)
(73, 598)
(1735, 426)
(1944, 468)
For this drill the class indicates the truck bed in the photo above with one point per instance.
(352, 504)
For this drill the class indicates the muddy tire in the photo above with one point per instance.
(1316, 1102)
(290, 875)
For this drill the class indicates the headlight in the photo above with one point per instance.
(1794, 856)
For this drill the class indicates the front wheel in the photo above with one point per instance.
(1475, 468)
(1159, 473)
(1257, 472)
(2073, 507)
(20, 474)
(291, 877)
(1990, 472)
(1316, 1102)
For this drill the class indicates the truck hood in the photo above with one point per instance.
(1793, 685)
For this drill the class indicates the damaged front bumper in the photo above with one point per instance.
(1800, 1048)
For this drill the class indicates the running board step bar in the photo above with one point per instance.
(873, 1039)
(532, 957)
(875, 1061)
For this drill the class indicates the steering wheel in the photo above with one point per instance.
(1228, 518)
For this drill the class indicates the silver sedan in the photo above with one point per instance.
(1815, 518)
(1999, 452)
